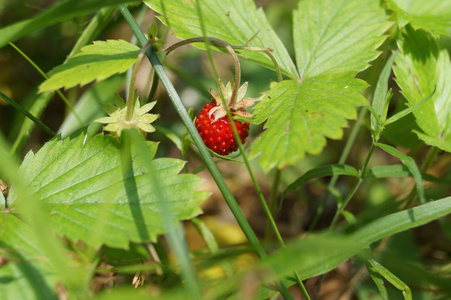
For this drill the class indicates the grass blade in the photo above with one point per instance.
(19, 108)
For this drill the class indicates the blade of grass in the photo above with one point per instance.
(212, 245)
(176, 237)
(323, 252)
(159, 69)
(344, 155)
(26, 125)
(322, 171)
(267, 210)
(19, 108)
(390, 277)
(181, 110)
(69, 105)
(379, 99)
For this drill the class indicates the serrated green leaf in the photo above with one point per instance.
(94, 62)
(443, 141)
(302, 115)
(337, 36)
(60, 12)
(431, 15)
(420, 70)
(234, 21)
(82, 188)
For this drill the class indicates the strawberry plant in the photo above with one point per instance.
(319, 171)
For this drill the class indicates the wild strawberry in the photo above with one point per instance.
(218, 135)
(214, 126)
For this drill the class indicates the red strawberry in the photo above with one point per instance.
(214, 126)
(218, 135)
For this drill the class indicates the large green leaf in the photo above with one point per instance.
(431, 15)
(331, 45)
(337, 36)
(302, 115)
(420, 70)
(94, 62)
(82, 188)
(234, 21)
(63, 10)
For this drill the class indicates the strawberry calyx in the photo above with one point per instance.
(236, 106)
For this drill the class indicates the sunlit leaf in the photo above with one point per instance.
(337, 36)
(331, 45)
(419, 71)
(82, 188)
(234, 21)
(94, 62)
(302, 115)
(431, 15)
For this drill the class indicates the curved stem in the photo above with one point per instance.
(267, 51)
(216, 42)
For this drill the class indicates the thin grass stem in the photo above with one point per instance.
(69, 105)
(19, 108)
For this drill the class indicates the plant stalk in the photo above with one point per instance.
(214, 171)
(161, 73)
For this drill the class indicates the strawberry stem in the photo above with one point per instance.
(267, 51)
(216, 42)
